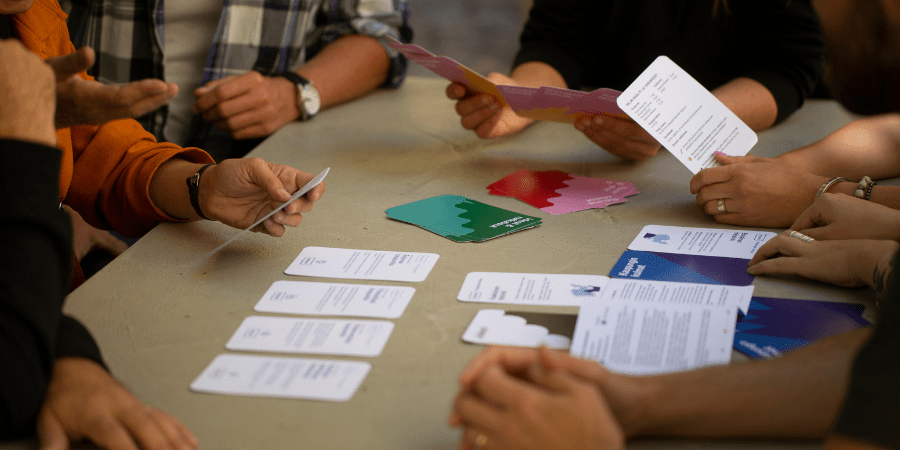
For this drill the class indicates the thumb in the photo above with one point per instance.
(265, 177)
(68, 65)
(50, 433)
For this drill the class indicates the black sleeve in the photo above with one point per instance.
(871, 410)
(781, 45)
(35, 273)
(564, 34)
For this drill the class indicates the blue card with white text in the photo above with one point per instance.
(684, 268)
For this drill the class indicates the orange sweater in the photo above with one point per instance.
(106, 170)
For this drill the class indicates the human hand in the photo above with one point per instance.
(248, 106)
(84, 402)
(83, 102)
(549, 409)
(27, 95)
(623, 394)
(623, 138)
(238, 192)
(483, 113)
(86, 238)
(851, 262)
(757, 191)
(839, 216)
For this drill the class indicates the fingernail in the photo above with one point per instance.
(485, 100)
(579, 126)
(720, 154)
(279, 216)
(598, 120)
(284, 194)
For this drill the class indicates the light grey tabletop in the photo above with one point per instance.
(161, 312)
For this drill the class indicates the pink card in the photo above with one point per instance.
(447, 68)
(600, 101)
(558, 192)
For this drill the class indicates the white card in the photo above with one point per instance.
(499, 327)
(335, 299)
(316, 336)
(628, 334)
(362, 264)
(684, 117)
(741, 244)
(531, 288)
(271, 376)
(678, 293)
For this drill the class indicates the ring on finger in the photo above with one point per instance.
(720, 205)
(481, 440)
(800, 236)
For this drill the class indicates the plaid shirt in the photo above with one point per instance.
(267, 36)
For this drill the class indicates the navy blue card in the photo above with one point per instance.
(773, 326)
(682, 268)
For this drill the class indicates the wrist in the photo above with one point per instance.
(194, 183)
(205, 192)
(289, 97)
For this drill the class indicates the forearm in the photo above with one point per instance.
(865, 147)
(750, 101)
(793, 396)
(347, 68)
(537, 74)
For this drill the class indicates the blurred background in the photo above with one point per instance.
(481, 34)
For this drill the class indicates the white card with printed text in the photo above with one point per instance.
(531, 288)
(335, 299)
(362, 264)
(282, 377)
(316, 336)
(683, 116)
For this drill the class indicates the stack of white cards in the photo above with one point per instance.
(318, 379)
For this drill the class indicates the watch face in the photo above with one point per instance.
(311, 100)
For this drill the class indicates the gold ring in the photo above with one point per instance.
(720, 205)
(800, 236)
(481, 440)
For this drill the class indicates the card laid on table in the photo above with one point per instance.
(335, 299)
(678, 293)
(316, 336)
(462, 219)
(531, 288)
(362, 264)
(684, 117)
(557, 192)
(272, 376)
(521, 329)
(629, 332)
(693, 255)
(774, 326)
(700, 241)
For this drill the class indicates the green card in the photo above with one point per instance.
(462, 219)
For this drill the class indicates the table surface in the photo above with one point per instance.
(161, 312)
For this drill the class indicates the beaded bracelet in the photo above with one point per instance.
(869, 190)
(862, 187)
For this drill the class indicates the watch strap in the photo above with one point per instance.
(193, 184)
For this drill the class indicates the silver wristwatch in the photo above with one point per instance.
(308, 100)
